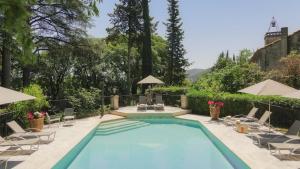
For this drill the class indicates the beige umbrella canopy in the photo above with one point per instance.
(150, 80)
(294, 95)
(11, 96)
(268, 88)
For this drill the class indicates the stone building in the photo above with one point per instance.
(278, 44)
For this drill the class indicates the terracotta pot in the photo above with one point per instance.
(214, 112)
(37, 123)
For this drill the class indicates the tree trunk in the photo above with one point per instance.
(146, 51)
(26, 76)
(6, 62)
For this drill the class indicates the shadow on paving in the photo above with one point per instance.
(10, 164)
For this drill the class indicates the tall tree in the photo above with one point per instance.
(56, 22)
(177, 64)
(147, 64)
(126, 19)
(13, 18)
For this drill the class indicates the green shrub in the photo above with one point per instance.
(21, 109)
(285, 110)
(85, 101)
(174, 90)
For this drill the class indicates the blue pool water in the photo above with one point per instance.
(150, 144)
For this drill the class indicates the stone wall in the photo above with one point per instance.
(268, 57)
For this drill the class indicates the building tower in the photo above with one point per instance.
(273, 33)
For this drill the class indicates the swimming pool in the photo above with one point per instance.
(166, 143)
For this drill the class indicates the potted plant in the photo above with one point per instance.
(215, 108)
(36, 120)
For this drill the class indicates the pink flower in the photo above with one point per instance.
(211, 102)
(221, 104)
(43, 114)
(30, 116)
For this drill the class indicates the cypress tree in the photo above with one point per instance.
(177, 64)
(146, 50)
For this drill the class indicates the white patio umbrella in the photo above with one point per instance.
(268, 88)
(150, 80)
(11, 96)
(294, 95)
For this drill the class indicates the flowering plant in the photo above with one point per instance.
(214, 103)
(35, 115)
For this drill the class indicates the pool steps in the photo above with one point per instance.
(118, 127)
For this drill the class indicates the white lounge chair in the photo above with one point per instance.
(20, 132)
(287, 145)
(264, 138)
(142, 105)
(255, 126)
(261, 122)
(159, 103)
(69, 114)
(19, 142)
(241, 117)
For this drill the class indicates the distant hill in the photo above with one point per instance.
(193, 74)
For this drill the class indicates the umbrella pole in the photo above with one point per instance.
(269, 116)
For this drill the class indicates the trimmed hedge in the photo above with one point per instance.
(172, 90)
(285, 110)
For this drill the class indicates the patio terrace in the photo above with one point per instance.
(68, 137)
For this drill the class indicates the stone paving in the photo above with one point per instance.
(68, 137)
(241, 145)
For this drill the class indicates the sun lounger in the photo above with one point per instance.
(159, 103)
(142, 105)
(264, 138)
(261, 122)
(255, 126)
(241, 117)
(20, 132)
(69, 114)
(18, 142)
(287, 145)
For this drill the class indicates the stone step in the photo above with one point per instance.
(121, 129)
(116, 126)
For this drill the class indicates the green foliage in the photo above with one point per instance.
(173, 90)
(177, 63)
(223, 62)
(288, 70)
(53, 67)
(284, 110)
(85, 101)
(22, 108)
(230, 78)
(244, 56)
(147, 61)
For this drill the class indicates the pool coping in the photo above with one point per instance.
(242, 146)
(57, 149)
(48, 155)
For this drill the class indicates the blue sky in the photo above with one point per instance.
(212, 26)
